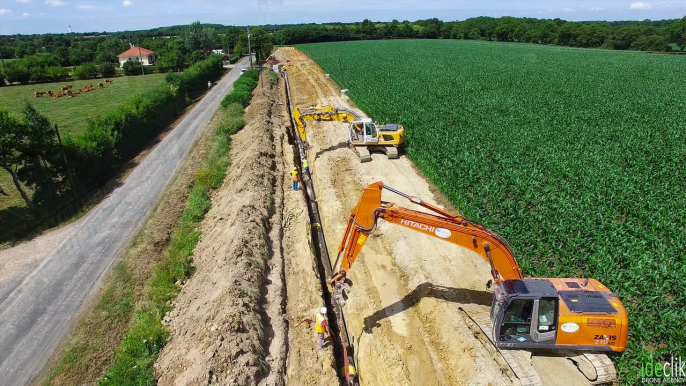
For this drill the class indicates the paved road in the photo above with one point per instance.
(36, 311)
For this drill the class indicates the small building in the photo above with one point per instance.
(218, 52)
(137, 54)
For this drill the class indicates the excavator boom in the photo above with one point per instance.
(443, 225)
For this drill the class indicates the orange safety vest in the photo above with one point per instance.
(320, 327)
(294, 174)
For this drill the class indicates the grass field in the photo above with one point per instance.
(70, 114)
(575, 156)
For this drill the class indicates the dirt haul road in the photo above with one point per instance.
(402, 313)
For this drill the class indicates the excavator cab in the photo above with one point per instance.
(364, 131)
(525, 313)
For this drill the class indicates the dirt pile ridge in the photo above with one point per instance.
(403, 310)
(216, 326)
(234, 320)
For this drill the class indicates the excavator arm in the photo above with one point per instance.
(328, 113)
(440, 224)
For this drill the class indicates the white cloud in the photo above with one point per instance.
(640, 5)
(55, 3)
(26, 14)
(597, 9)
(86, 6)
(23, 1)
(4, 11)
(128, 3)
(568, 10)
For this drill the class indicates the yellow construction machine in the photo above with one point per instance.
(364, 135)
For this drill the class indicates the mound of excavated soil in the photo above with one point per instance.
(234, 320)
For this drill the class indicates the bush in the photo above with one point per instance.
(16, 72)
(132, 68)
(57, 73)
(39, 75)
(242, 89)
(86, 71)
(107, 70)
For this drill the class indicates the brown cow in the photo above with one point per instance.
(58, 95)
(89, 85)
(109, 81)
(101, 85)
(38, 94)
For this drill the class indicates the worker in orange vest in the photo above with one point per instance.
(321, 326)
(294, 175)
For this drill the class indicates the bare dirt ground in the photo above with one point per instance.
(234, 322)
(403, 311)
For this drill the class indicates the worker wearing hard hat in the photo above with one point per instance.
(294, 175)
(321, 326)
(306, 166)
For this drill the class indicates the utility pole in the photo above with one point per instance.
(249, 48)
(64, 156)
(141, 59)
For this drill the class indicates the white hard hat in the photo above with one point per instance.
(323, 310)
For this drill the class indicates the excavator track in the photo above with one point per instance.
(597, 368)
(517, 363)
(391, 152)
(362, 153)
(365, 156)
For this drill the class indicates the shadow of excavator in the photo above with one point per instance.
(424, 290)
(340, 145)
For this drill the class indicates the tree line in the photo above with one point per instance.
(647, 35)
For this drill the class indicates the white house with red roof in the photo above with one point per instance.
(137, 54)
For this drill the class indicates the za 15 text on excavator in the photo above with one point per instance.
(364, 135)
(526, 313)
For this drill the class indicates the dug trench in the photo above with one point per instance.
(237, 320)
(403, 312)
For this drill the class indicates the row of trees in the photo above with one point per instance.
(647, 35)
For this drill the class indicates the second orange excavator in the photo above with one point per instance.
(526, 313)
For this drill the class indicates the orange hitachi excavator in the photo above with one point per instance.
(526, 313)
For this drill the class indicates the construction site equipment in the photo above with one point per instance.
(364, 135)
(526, 313)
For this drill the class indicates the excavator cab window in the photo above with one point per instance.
(370, 130)
(517, 319)
(547, 308)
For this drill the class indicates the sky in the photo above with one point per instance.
(55, 16)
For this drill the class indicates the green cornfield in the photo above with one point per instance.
(577, 157)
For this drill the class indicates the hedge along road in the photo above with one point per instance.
(38, 306)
